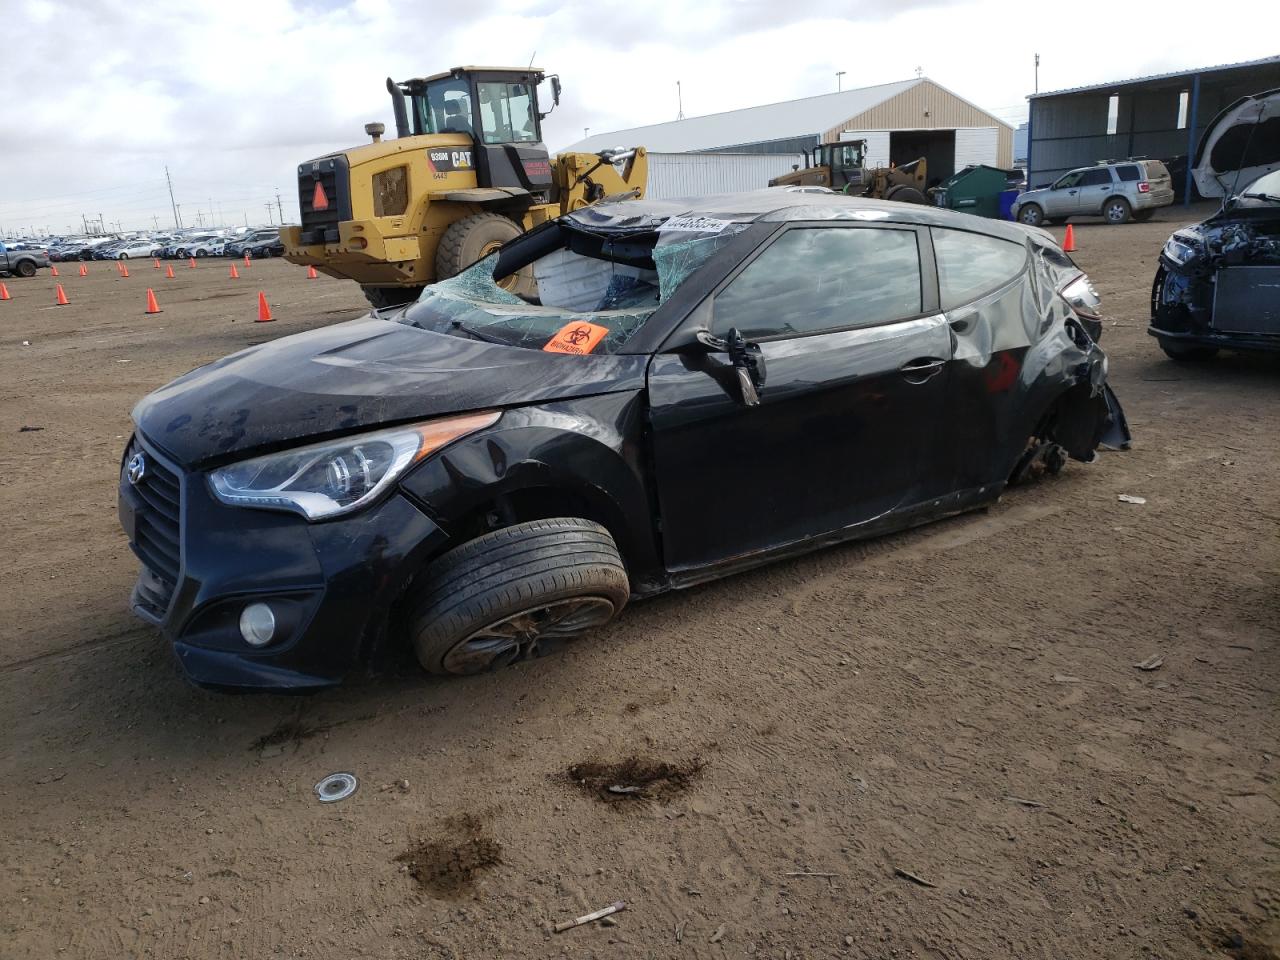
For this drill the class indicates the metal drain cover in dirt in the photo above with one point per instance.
(336, 786)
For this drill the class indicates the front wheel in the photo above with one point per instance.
(1031, 214)
(124, 256)
(1117, 210)
(27, 269)
(513, 593)
(1185, 352)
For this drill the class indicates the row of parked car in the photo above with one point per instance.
(256, 243)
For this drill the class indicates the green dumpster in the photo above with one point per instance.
(975, 189)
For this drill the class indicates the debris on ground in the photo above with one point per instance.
(590, 917)
(718, 935)
(1130, 498)
(1151, 663)
(636, 778)
(1024, 803)
(446, 865)
(1065, 678)
(26, 429)
(908, 875)
(337, 786)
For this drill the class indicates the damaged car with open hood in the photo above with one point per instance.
(699, 386)
(1218, 282)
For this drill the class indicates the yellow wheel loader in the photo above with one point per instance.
(466, 172)
(839, 166)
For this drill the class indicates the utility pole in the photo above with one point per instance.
(1037, 73)
(177, 221)
(270, 218)
(85, 223)
(679, 101)
(280, 206)
(156, 221)
(839, 80)
(177, 215)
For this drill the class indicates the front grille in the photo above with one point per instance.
(321, 226)
(157, 537)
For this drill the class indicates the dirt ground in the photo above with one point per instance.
(934, 745)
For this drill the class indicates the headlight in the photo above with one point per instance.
(330, 479)
(1082, 296)
(1177, 251)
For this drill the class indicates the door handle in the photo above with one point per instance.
(921, 368)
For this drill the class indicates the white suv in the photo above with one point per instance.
(1119, 191)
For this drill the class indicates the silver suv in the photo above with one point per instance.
(1129, 189)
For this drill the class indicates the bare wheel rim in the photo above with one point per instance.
(506, 283)
(1115, 211)
(517, 636)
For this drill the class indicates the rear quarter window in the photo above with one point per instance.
(1129, 173)
(972, 264)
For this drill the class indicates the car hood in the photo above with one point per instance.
(1241, 144)
(355, 376)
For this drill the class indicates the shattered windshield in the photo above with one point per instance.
(591, 296)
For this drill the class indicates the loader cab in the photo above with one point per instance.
(844, 160)
(498, 109)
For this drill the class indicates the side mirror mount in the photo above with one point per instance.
(745, 358)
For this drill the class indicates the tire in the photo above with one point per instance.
(1187, 353)
(26, 268)
(1142, 216)
(468, 240)
(1117, 211)
(905, 194)
(201, 254)
(496, 599)
(1031, 214)
(380, 298)
(123, 256)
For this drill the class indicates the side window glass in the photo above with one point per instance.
(1128, 173)
(1070, 180)
(971, 264)
(823, 278)
(1096, 178)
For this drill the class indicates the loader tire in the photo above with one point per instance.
(476, 237)
(904, 194)
(380, 298)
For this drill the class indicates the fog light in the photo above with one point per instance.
(257, 624)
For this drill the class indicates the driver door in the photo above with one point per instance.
(855, 355)
(1062, 200)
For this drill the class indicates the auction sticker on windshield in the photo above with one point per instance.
(580, 337)
(690, 223)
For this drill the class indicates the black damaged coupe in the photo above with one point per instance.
(698, 387)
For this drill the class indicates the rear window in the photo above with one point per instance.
(971, 264)
(1129, 173)
(1156, 170)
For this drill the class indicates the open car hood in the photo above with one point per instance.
(1241, 144)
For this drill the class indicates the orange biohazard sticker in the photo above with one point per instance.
(578, 337)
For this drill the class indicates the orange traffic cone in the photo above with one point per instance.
(191, 263)
(264, 310)
(84, 271)
(311, 273)
(124, 270)
(61, 299)
(53, 269)
(1069, 243)
(234, 274)
(4, 292)
(157, 263)
(246, 260)
(168, 271)
(152, 306)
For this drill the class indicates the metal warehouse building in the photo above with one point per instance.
(900, 122)
(1159, 118)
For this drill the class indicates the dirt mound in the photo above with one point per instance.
(446, 865)
(636, 778)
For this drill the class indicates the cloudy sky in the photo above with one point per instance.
(101, 96)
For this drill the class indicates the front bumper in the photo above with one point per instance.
(1225, 341)
(332, 585)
